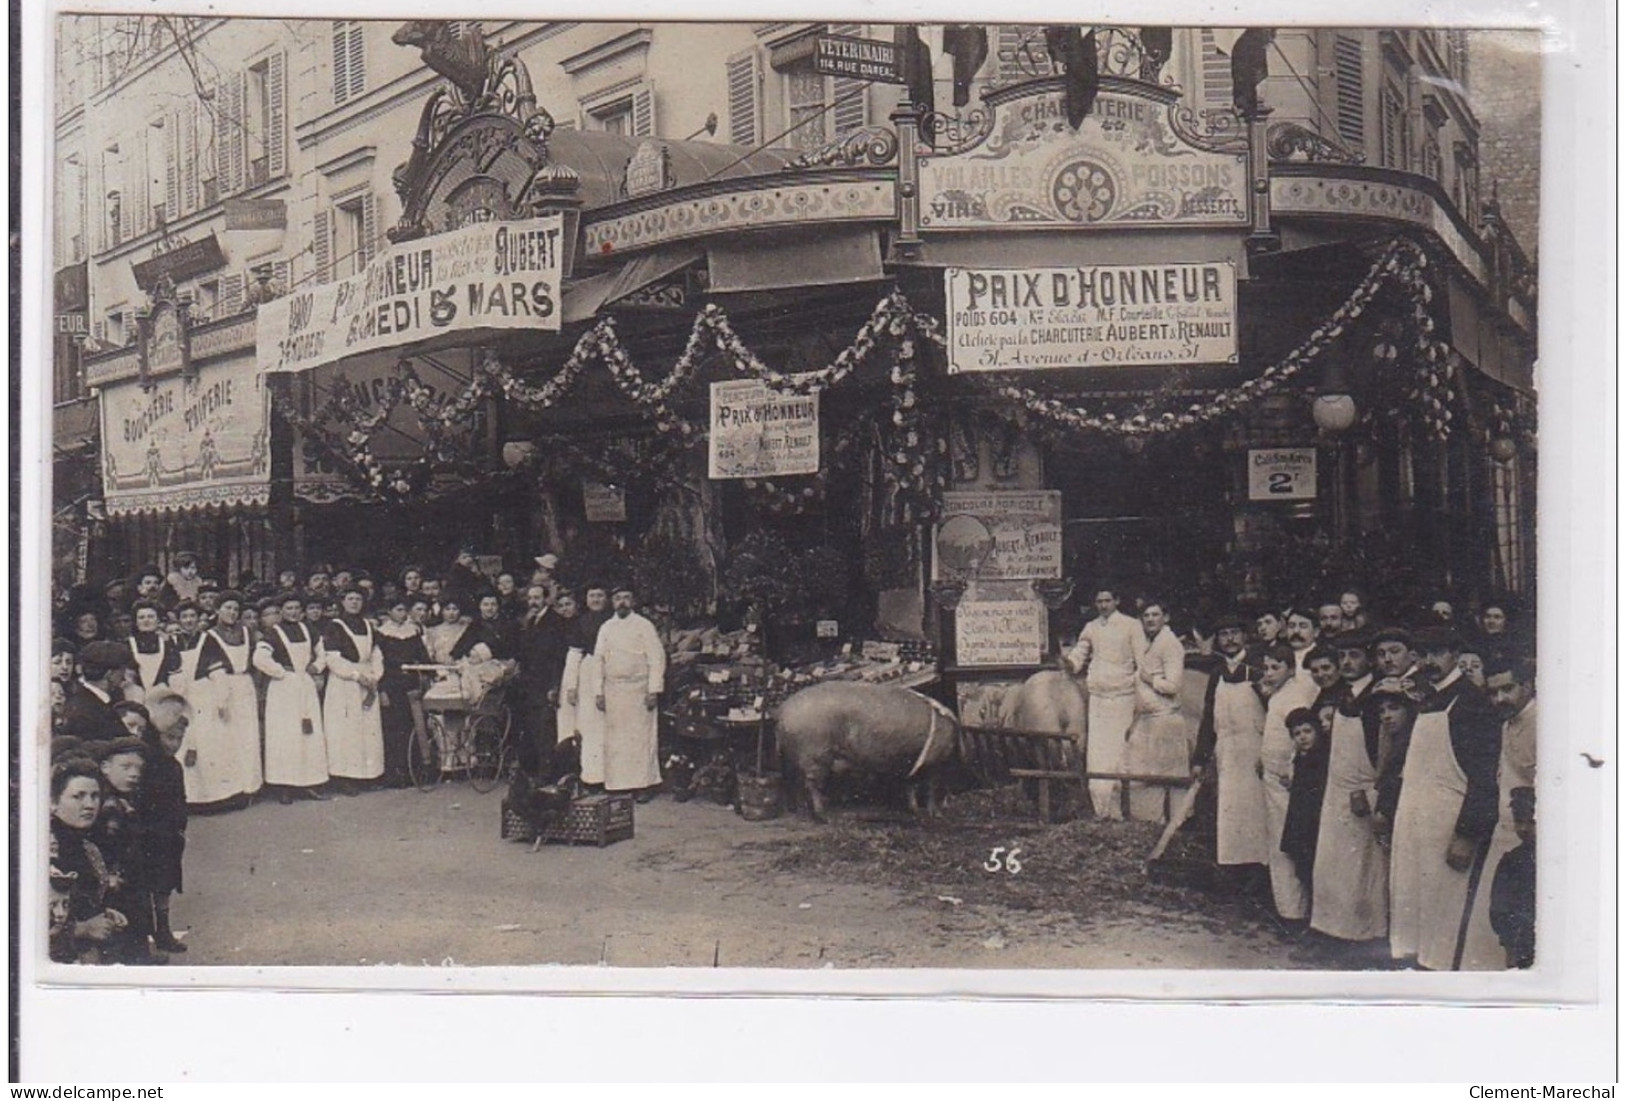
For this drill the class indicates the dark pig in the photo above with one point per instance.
(874, 729)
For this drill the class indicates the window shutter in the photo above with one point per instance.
(341, 61)
(369, 230)
(1218, 91)
(231, 294)
(1348, 60)
(1022, 54)
(643, 113)
(358, 61)
(137, 206)
(276, 92)
(99, 331)
(849, 96)
(324, 245)
(744, 94)
(172, 167)
(282, 276)
(227, 133)
(189, 159)
(237, 146)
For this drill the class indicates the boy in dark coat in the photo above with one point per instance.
(1301, 833)
(1512, 895)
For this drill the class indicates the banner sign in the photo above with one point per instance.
(1281, 474)
(1006, 536)
(490, 275)
(860, 58)
(187, 442)
(759, 432)
(255, 214)
(1128, 166)
(1108, 316)
(605, 504)
(999, 632)
(180, 263)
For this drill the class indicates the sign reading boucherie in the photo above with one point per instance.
(1121, 316)
(491, 275)
(758, 432)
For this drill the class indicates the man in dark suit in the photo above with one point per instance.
(88, 713)
(544, 642)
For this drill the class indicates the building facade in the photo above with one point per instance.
(206, 168)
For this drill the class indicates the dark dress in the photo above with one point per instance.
(118, 833)
(1301, 832)
(79, 880)
(161, 804)
(500, 636)
(543, 646)
(396, 685)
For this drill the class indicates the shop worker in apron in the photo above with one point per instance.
(634, 675)
(157, 659)
(1447, 810)
(1229, 737)
(1350, 895)
(1107, 654)
(295, 743)
(351, 716)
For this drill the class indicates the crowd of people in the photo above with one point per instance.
(172, 695)
(1376, 780)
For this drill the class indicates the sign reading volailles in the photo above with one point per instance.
(492, 275)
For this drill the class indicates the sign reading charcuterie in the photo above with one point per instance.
(1103, 316)
(491, 275)
(759, 432)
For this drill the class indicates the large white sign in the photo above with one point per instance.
(999, 632)
(759, 432)
(491, 275)
(187, 443)
(1002, 534)
(1281, 474)
(1107, 316)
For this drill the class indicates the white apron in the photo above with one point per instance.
(228, 750)
(590, 720)
(294, 756)
(354, 728)
(1238, 727)
(1429, 897)
(1275, 754)
(1351, 868)
(1484, 950)
(148, 666)
(1110, 718)
(631, 758)
(567, 710)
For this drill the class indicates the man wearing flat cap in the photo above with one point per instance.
(634, 672)
(1447, 809)
(88, 713)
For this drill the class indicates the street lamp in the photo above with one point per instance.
(1334, 409)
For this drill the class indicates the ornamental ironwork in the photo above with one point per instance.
(872, 146)
(1290, 141)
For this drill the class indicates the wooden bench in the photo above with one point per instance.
(998, 754)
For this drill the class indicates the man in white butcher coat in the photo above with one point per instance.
(1228, 740)
(1107, 653)
(634, 675)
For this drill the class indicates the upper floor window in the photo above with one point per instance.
(257, 123)
(806, 99)
(817, 108)
(1395, 129)
(621, 110)
(349, 61)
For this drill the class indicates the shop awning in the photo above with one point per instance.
(583, 298)
(827, 256)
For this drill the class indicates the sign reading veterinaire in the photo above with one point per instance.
(1116, 316)
(490, 275)
(1281, 474)
(758, 432)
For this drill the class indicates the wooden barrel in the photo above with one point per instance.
(761, 796)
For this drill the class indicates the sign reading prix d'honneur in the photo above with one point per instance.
(491, 275)
(759, 432)
(1109, 316)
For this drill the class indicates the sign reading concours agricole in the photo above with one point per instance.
(490, 275)
(758, 432)
(1117, 316)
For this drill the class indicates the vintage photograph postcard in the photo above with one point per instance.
(1023, 498)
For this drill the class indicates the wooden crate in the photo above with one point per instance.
(594, 820)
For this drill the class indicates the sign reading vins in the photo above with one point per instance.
(1104, 316)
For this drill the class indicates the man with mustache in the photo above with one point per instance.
(634, 674)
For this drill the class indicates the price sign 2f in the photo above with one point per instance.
(1281, 474)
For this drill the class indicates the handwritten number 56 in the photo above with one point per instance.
(1001, 859)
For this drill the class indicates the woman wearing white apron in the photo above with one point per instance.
(1350, 895)
(1287, 692)
(222, 749)
(1447, 808)
(584, 683)
(188, 640)
(351, 715)
(157, 660)
(295, 744)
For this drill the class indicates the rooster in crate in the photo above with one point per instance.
(540, 806)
